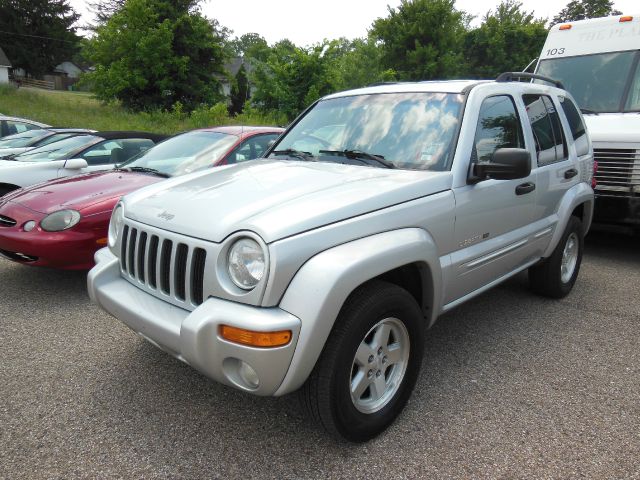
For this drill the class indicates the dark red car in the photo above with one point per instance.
(61, 223)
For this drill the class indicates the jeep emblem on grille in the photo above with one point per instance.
(166, 215)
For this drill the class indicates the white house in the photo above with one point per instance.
(5, 65)
(70, 69)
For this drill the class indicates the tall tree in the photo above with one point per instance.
(581, 9)
(507, 40)
(37, 35)
(103, 10)
(154, 53)
(250, 46)
(291, 78)
(239, 91)
(422, 39)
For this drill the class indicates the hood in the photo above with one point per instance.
(81, 191)
(274, 198)
(614, 127)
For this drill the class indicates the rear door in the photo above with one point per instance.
(493, 217)
(557, 168)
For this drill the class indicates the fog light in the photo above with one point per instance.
(248, 375)
(30, 225)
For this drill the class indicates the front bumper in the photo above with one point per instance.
(193, 336)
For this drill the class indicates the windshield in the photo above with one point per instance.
(597, 82)
(413, 130)
(23, 139)
(184, 153)
(58, 150)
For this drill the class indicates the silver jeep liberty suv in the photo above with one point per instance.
(319, 268)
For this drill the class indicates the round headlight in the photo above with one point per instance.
(115, 225)
(61, 220)
(246, 263)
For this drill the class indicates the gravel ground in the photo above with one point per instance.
(513, 386)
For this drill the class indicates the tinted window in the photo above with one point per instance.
(22, 139)
(19, 127)
(57, 150)
(576, 125)
(498, 127)
(54, 138)
(547, 131)
(252, 148)
(115, 151)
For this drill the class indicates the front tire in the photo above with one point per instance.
(555, 276)
(370, 363)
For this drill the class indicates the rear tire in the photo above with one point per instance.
(555, 276)
(369, 365)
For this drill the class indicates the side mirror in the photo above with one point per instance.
(75, 164)
(506, 164)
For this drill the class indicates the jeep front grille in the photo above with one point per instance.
(7, 221)
(175, 269)
(618, 172)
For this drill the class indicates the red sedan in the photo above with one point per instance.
(61, 223)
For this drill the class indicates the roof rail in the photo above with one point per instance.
(512, 76)
(378, 84)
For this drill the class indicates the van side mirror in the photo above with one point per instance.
(75, 164)
(505, 164)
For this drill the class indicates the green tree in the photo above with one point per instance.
(581, 9)
(507, 40)
(37, 35)
(250, 46)
(103, 10)
(291, 78)
(356, 63)
(155, 53)
(422, 39)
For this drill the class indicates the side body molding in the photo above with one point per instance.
(576, 195)
(319, 289)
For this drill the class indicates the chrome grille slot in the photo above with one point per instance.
(142, 247)
(131, 260)
(198, 263)
(7, 221)
(618, 171)
(123, 248)
(165, 266)
(180, 265)
(153, 259)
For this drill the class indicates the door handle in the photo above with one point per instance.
(572, 172)
(525, 188)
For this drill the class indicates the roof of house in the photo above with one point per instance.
(4, 61)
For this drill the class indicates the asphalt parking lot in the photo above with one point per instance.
(513, 386)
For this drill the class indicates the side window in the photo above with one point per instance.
(498, 127)
(576, 124)
(633, 99)
(115, 151)
(252, 148)
(547, 131)
(18, 127)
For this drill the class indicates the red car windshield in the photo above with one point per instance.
(184, 153)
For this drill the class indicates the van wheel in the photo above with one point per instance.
(554, 277)
(369, 365)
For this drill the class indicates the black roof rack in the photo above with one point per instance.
(512, 76)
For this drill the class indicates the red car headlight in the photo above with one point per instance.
(60, 220)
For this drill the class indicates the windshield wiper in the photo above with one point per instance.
(589, 112)
(290, 152)
(360, 155)
(146, 170)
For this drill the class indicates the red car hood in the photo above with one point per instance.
(81, 191)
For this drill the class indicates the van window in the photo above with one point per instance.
(633, 100)
(547, 130)
(498, 127)
(576, 124)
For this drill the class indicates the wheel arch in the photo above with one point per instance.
(578, 201)
(318, 291)
(8, 188)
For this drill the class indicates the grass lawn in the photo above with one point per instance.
(82, 110)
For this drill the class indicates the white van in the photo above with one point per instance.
(597, 60)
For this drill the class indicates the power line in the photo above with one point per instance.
(36, 36)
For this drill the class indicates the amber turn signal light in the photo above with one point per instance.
(626, 19)
(255, 339)
(101, 241)
(566, 26)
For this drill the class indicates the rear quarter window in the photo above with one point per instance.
(578, 132)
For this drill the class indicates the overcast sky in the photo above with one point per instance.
(307, 22)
